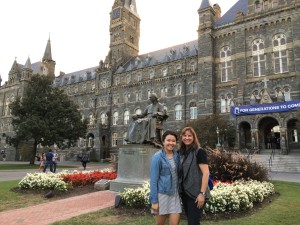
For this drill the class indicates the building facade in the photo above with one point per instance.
(244, 66)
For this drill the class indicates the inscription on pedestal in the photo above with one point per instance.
(133, 167)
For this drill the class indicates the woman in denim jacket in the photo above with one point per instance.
(164, 196)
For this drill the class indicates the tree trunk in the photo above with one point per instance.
(32, 159)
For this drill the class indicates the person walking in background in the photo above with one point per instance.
(84, 159)
(42, 162)
(49, 160)
(54, 160)
(164, 191)
(193, 176)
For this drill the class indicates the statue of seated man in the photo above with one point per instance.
(147, 127)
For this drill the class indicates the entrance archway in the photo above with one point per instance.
(245, 135)
(269, 133)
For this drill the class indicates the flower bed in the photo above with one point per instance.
(225, 197)
(64, 180)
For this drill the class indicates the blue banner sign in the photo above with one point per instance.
(265, 108)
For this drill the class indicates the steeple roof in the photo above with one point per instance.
(205, 4)
(28, 64)
(47, 53)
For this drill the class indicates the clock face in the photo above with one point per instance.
(116, 13)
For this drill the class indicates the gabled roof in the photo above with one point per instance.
(173, 53)
(75, 77)
(229, 16)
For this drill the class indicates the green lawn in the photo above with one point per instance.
(282, 211)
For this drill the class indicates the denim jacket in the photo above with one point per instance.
(161, 175)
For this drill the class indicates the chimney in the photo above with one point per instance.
(217, 10)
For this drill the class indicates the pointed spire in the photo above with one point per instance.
(15, 66)
(205, 4)
(48, 54)
(28, 64)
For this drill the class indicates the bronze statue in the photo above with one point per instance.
(147, 128)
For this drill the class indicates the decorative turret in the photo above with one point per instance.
(27, 70)
(15, 72)
(206, 15)
(206, 54)
(49, 64)
(124, 33)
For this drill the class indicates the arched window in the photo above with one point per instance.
(151, 74)
(287, 94)
(126, 97)
(126, 117)
(128, 79)
(165, 71)
(226, 64)
(193, 111)
(193, 66)
(178, 89)
(226, 101)
(117, 81)
(280, 54)
(178, 68)
(115, 118)
(114, 139)
(190, 87)
(178, 112)
(103, 119)
(138, 96)
(259, 59)
(139, 77)
(195, 88)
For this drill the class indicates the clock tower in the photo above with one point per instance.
(124, 32)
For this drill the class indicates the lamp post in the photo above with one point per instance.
(218, 144)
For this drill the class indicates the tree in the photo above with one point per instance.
(205, 129)
(46, 116)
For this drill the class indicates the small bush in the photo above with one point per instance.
(231, 166)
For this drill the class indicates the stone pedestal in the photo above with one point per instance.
(133, 166)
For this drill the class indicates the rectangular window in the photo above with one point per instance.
(193, 113)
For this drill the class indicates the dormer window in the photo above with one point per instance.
(165, 71)
(137, 61)
(151, 74)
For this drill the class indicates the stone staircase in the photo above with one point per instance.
(277, 162)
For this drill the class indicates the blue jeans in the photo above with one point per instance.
(46, 165)
(54, 166)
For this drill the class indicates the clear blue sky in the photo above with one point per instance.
(79, 29)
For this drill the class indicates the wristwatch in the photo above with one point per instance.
(202, 193)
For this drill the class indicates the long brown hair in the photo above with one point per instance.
(196, 142)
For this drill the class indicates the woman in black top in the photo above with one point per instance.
(193, 175)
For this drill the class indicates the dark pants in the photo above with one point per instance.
(192, 213)
(84, 164)
(54, 166)
(46, 165)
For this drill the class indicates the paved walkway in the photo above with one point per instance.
(53, 211)
(63, 209)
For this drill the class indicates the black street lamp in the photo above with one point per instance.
(218, 144)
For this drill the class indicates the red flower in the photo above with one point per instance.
(78, 179)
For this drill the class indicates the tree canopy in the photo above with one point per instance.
(206, 129)
(46, 115)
